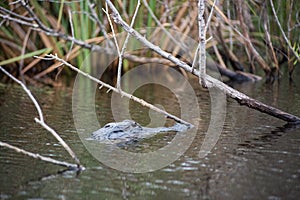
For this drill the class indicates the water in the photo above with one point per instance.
(256, 156)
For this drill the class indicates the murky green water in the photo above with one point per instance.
(256, 156)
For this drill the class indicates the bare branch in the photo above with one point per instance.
(36, 104)
(210, 16)
(202, 43)
(122, 93)
(16, 15)
(30, 24)
(124, 47)
(179, 43)
(95, 16)
(117, 46)
(43, 158)
(41, 120)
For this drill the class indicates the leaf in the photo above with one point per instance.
(28, 55)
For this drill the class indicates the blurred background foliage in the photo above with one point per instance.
(86, 21)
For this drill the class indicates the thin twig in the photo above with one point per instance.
(21, 64)
(118, 49)
(210, 16)
(99, 23)
(112, 29)
(121, 53)
(124, 47)
(36, 104)
(72, 33)
(195, 57)
(179, 43)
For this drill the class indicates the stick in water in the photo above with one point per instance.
(41, 118)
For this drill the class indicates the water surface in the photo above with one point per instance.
(256, 156)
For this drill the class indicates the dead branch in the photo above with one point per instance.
(19, 21)
(95, 17)
(202, 44)
(118, 48)
(39, 157)
(211, 82)
(122, 93)
(241, 98)
(41, 118)
(202, 40)
(121, 53)
(179, 43)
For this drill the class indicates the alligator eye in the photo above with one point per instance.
(107, 126)
(117, 131)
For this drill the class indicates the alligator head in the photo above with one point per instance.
(117, 130)
(129, 130)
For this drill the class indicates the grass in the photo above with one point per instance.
(55, 15)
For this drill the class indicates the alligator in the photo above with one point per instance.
(130, 130)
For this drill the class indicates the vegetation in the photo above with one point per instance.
(249, 36)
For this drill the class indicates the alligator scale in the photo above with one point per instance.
(130, 130)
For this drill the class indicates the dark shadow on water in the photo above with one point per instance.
(269, 138)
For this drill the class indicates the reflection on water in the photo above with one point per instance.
(256, 157)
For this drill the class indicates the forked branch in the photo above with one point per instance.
(41, 118)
